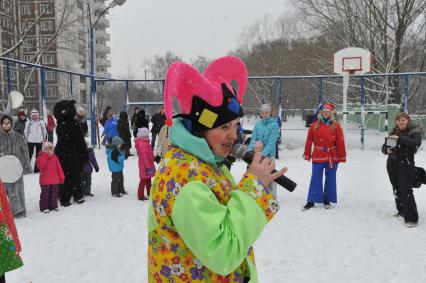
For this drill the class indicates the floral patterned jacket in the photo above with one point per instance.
(201, 224)
(10, 246)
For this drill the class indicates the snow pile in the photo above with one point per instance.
(358, 240)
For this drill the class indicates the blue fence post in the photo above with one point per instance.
(278, 96)
(362, 98)
(43, 91)
(126, 106)
(320, 91)
(406, 93)
(9, 84)
(71, 86)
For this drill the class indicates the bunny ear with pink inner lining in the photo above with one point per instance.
(227, 69)
(184, 82)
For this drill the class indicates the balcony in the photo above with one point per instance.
(103, 23)
(101, 48)
(102, 34)
(103, 63)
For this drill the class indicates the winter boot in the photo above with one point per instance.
(327, 205)
(410, 224)
(308, 205)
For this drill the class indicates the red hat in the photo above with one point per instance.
(328, 106)
(206, 100)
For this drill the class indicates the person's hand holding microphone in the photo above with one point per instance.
(263, 169)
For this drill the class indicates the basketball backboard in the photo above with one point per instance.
(352, 61)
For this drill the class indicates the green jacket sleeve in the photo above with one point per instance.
(218, 235)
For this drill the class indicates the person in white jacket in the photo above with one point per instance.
(35, 133)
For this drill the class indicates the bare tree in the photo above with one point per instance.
(393, 30)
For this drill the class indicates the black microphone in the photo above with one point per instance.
(239, 152)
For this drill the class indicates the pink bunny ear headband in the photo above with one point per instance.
(206, 101)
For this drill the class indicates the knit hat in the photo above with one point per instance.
(329, 106)
(116, 141)
(21, 113)
(206, 100)
(45, 145)
(80, 109)
(143, 133)
(265, 108)
(34, 112)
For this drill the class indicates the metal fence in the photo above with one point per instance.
(287, 94)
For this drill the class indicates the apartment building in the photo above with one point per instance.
(56, 35)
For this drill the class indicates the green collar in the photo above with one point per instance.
(182, 138)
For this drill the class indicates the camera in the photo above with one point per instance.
(391, 142)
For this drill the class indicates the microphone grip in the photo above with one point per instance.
(285, 182)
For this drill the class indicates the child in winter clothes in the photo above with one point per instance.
(87, 173)
(116, 159)
(51, 176)
(10, 246)
(146, 162)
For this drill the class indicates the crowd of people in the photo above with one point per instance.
(192, 186)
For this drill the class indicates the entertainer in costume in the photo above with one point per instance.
(202, 223)
(10, 247)
(71, 150)
(326, 135)
(14, 144)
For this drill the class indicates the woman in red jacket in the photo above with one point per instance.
(329, 149)
(51, 176)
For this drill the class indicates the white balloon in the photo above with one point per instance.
(16, 99)
(10, 169)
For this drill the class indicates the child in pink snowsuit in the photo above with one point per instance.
(51, 176)
(146, 162)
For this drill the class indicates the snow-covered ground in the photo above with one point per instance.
(358, 240)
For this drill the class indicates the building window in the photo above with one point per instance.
(47, 25)
(27, 58)
(46, 8)
(82, 79)
(48, 59)
(25, 25)
(25, 10)
(83, 97)
(50, 76)
(44, 41)
(30, 92)
(29, 44)
(52, 91)
(29, 76)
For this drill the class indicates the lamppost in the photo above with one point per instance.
(92, 66)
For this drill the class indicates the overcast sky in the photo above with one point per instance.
(141, 29)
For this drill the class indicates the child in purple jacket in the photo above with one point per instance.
(87, 173)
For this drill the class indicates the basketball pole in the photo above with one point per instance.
(345, 99)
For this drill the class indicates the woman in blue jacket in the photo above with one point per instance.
(267, 132)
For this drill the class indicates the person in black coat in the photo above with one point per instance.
(19, 125)
(158, 120)
(124, 132)
(400, 167)
(71, 150)
(133, 119)
(141, 122)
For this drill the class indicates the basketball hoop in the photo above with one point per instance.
(352, 61)
(348, 62)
